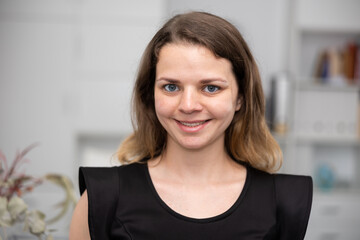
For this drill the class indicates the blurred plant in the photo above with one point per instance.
(13, 209)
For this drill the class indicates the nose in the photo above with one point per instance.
(190, 101)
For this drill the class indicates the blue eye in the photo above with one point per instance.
(171, 87)
(211, 88)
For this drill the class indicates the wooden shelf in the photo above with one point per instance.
(314, 84)
(329, 141)
(337, 193)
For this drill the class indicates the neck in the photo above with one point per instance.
(200, 165)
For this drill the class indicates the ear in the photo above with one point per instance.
(239, 102)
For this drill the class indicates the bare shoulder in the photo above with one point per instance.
(79, 228)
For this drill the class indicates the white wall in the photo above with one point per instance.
(66, 71)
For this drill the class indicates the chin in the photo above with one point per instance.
(191, 145)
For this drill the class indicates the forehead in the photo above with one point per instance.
(182, 46)
(192, 59)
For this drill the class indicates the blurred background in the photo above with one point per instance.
(67, 68)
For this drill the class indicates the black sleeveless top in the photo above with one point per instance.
(123, 204)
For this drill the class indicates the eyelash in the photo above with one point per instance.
(166, 88)
(213, 86)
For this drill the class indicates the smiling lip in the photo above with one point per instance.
(192, 126)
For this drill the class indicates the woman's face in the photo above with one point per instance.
(196, 95)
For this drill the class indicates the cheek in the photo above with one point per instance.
(158, 105)
(224, 108)
(163, 106)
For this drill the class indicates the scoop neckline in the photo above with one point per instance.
(218, 217)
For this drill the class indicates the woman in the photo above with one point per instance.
(200, 161)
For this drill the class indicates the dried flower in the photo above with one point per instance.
(14, 184)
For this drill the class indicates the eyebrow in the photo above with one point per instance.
(170, 80)
(204, 81)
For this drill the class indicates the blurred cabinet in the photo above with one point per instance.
(323, 140)
(334, 217)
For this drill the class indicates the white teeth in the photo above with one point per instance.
(192, 124)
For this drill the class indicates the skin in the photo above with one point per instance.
(196, 97)
(79, 228)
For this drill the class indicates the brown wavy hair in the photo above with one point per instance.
(247, 139)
